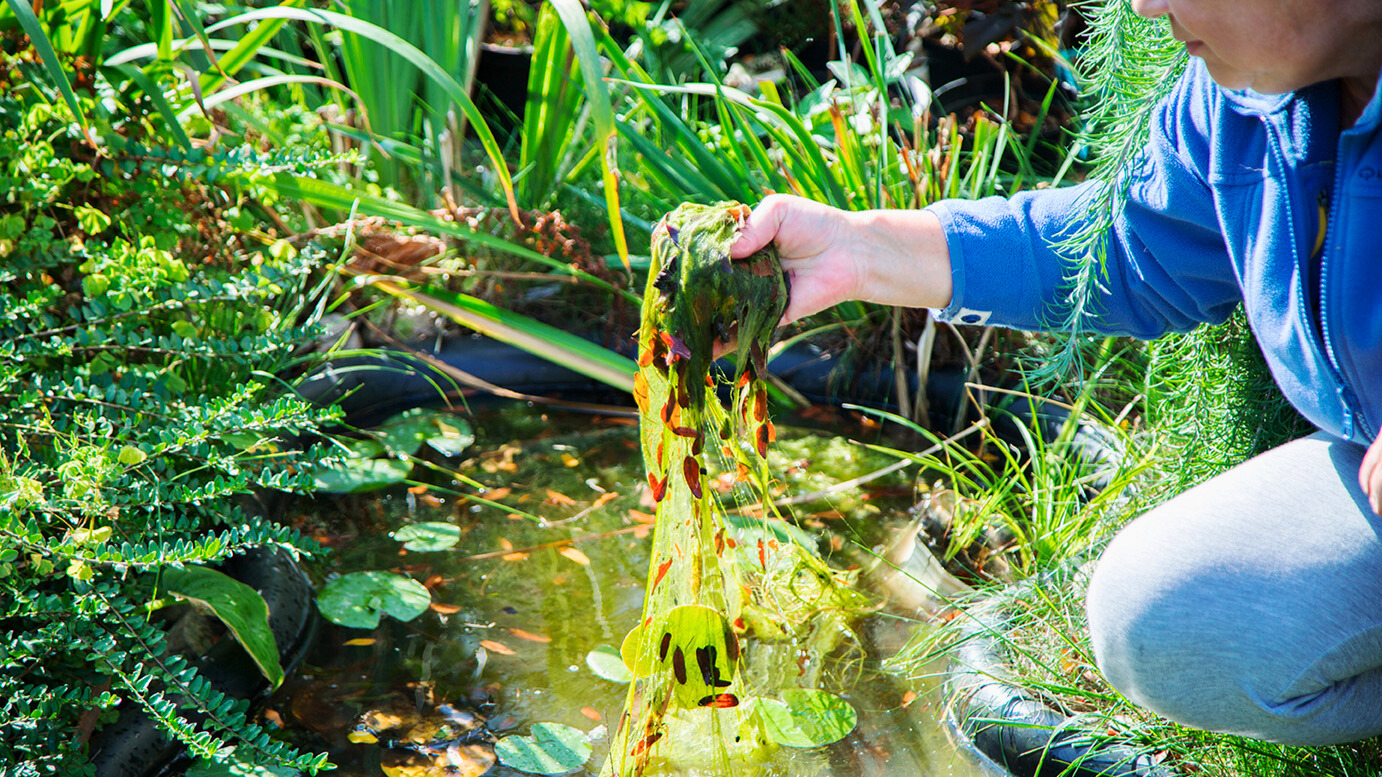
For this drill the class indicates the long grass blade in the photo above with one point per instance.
(555, 345)
(444, 80)
(34, 29)
(583, 41)
(333, 196)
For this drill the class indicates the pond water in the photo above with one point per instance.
(519, 604)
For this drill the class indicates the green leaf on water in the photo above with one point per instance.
(551, 748)
(408, 431)
(606, 662)
(355, 476)
(358, 599)
(239, 607)
(429, 535)
(807, 718)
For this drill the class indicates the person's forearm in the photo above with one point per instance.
(904, 258)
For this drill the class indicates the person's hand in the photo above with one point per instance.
(892, 257)
(1370, 475)
(814, 243)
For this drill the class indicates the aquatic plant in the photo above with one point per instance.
(711, 588)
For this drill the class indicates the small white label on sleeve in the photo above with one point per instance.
(976, 317)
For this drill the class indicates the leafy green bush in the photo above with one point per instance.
(149, 322)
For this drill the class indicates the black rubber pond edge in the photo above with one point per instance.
(1014, 731)
(134, 746)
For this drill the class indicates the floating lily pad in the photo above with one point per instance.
(551, 748)
(429, 535)
(358, 599)
(807, 718)
(406, 432)
(355, 476)
(608, 663)
(238, 606)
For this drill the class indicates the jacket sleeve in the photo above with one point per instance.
(1167, 267)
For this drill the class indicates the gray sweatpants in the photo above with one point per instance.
(1252, 603)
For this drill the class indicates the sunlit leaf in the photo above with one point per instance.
(355, 476)
(408, 431)
(551, 748)
(238, 606)
(807, 718)
(358, 599)
(606, 662)
(429, 535)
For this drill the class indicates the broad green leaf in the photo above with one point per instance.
(807, 718)
(355, 476)
(429, 535)
(91, 220)
(358, 599)
(551, 748)
(608, 663)
(131, 456)
(406, 432)
(239, 607)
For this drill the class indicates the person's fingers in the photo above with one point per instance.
(761, 226)
(1370, 475)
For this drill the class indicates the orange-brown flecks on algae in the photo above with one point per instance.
(658, 485)
(691, 469)
(640, 392)
(719, 701)
(662, 572)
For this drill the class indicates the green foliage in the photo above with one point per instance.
(1212, 404)
(147, 315)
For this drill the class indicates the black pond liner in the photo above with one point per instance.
(999, 721)
(1011, 729)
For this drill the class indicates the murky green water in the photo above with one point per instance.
(519, 604)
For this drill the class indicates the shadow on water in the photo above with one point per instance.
(519, 604)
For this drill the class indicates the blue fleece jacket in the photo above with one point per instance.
(1236, 192)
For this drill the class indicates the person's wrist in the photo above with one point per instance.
(903, 258)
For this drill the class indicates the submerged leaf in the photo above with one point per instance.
(807, 718)
(608, 664)
(551, 748)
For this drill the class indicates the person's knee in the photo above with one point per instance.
(1155, 638)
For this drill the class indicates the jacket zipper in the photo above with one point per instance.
(1346, 396)
(1342, 393)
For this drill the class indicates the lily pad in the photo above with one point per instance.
(807, 718)
(406, 432)
(358, 599)
(238, 606)
(551, 748)
(354, 476)
(429, 535)
(607, 663)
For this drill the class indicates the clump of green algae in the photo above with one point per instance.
(709, 593)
